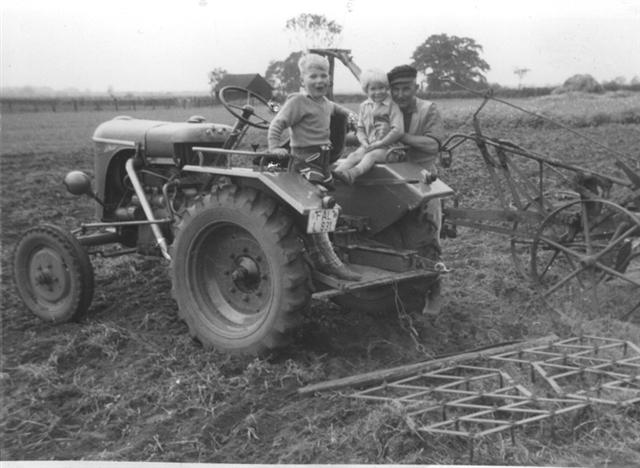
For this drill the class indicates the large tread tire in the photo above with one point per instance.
(237, 270)
(53, 274)
(415, 232)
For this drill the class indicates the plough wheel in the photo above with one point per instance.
(520, 245)
(585, 257)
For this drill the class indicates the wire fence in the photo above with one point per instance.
(66, 104)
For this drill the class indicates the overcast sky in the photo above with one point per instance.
(170, 45)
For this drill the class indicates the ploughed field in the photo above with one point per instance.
(128, 383)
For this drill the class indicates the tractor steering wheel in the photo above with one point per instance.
(246, 113)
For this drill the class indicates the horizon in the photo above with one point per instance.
(45, 91)
(38, 91)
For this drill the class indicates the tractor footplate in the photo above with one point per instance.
(389, 259)
(371, 276)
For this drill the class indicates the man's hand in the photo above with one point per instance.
(279, 151)
(373, 146)
(363, 142)
(382, 128)
(352, 121)
(426, 144)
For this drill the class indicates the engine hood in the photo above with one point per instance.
(158, 137)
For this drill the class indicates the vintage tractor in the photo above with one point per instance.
(232, 225)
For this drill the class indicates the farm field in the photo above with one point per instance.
(128, 383)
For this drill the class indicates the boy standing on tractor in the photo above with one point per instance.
(375, 142)
(308, 116)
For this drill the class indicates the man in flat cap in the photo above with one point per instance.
(424, 132)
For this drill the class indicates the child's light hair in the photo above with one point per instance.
(371, 76)
(308, 61)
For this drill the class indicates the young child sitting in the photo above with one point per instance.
(375, 144)
(308, 115)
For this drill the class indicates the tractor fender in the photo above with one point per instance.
(296, 191)
(288, 186)
(387, 192)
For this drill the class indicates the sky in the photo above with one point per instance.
(170, 45)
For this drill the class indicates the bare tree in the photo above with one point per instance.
(313, 31)
(112, 94)
(521, 72)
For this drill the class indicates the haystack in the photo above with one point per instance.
(580, 83)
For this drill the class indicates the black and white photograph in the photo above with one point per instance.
(295, 232)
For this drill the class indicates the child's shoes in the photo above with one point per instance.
(344, 176)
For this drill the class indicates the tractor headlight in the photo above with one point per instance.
(78, 183)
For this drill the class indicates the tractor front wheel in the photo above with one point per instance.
(53, 274)
(238, 273)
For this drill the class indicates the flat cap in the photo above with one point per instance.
(402, 73)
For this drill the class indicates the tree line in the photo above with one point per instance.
(444, 62)
(448, 65)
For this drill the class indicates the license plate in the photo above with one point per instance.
(322, 221)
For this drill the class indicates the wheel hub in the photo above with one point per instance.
(247, 282)
(247, 274)
(49, 275)
(589, 260)
(240, 276)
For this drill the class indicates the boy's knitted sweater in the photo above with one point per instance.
(308, 120)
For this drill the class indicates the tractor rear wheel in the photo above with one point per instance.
(53, 274)
(237, 269)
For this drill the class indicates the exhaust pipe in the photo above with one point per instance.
(137, 186)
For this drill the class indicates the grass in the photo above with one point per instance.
(577, 110)
(35, 132)
(128, 383)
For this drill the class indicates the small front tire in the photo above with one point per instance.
(53, 274)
